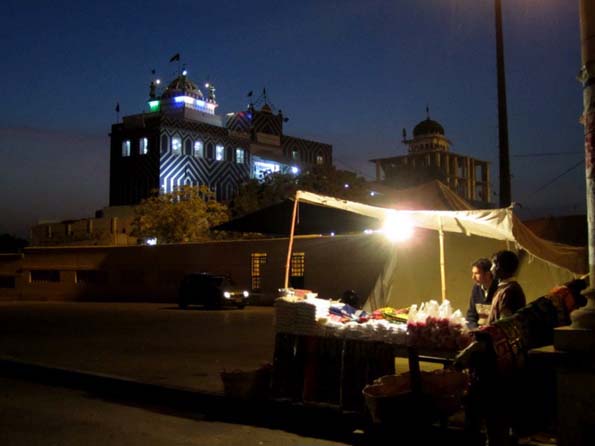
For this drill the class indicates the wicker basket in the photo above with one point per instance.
(390, 397)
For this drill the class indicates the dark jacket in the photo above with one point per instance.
(509, 297)
(478, 298)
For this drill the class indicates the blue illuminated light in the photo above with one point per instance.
(197, 104)
(186, 99)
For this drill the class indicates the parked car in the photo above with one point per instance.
(211, 290)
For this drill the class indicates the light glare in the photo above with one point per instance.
(397, 228)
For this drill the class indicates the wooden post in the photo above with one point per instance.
(442, 268)
(290, 248)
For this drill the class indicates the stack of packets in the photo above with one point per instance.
(297, 312)
(349, 322)
(436, 326)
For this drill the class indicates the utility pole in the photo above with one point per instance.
(585, 317)
(505, 189)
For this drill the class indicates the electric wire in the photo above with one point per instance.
(537, 154)
(553, 180)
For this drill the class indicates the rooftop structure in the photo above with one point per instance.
(429, 158)
(181, 140)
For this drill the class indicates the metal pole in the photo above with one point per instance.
(585, 317)
(505, 188)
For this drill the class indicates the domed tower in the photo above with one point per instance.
(183, 99)
(429, 158)
(428, 136)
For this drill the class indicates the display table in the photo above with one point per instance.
(334, 371)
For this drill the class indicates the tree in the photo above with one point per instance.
(276, 187)
(184, 215)
(10, 243)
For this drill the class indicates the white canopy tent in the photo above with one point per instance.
(476, 233)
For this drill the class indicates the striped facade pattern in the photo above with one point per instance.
(308, 150)
(240, 122)
(223, 177)
(132, 178)
(263, 122)
(256, 121)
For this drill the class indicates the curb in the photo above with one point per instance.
(308, 420)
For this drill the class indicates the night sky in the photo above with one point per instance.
(351, 73)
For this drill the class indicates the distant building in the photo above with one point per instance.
(179, 141)
(110, 226)
(182, 141)
(430, 158)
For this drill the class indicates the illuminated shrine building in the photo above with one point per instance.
(429, 158)
(181, 140)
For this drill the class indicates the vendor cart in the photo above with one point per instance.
(318, 365)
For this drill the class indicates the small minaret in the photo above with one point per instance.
(211, 90)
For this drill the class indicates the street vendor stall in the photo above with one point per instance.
(327, 353)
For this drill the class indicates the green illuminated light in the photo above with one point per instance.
(154, 106)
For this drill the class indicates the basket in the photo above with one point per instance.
(385, 407)
(390, 397)
(251, 384)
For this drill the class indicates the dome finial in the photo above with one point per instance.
(428, 112)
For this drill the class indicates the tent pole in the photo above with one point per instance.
(291, 234)
(442, 270)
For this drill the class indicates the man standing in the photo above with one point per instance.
(509, 296)
(493, 393)
(481, 294)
